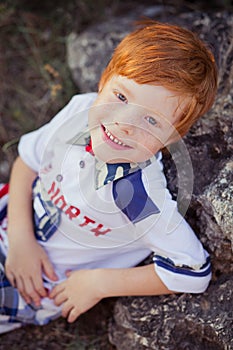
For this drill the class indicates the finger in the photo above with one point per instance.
(26, 298)
(39, 287)
(20, 286)
(73, 315)
(49, 270)
(31, 292)
(66, 309)
(11, 278)
(56, 290)
(60, 299)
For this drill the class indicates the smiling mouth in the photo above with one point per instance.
(113, 138)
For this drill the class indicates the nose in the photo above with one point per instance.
(127, 119)
(126, 128)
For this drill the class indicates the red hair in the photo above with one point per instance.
(171, 56)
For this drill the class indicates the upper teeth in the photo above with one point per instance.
(114, 139)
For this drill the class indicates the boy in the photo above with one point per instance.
(100, 203)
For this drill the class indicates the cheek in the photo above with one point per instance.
(94, 117)
(160, 136)
(150, 145)
(100, 112)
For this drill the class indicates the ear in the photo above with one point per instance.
(100, 87)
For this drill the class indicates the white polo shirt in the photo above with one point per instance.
(90, 215)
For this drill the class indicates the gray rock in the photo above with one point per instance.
(217, 215)
(196, 322)
(184, 322)
(89, 52)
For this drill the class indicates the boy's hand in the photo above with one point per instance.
(24, 265)
(78, 293)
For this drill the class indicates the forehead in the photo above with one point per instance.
(154, 98)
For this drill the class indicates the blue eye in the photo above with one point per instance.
(121, 97)
(151, 120)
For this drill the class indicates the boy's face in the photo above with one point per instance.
(131, 122)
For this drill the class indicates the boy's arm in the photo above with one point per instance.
(84, 288)
(26, 258)
(142, 280)
(20, 199)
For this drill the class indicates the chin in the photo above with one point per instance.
(113, 161)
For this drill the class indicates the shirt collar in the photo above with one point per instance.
(106, 172)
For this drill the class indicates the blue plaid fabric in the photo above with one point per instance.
(14, 311)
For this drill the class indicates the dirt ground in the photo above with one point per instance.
(34, 84)
(89, 332)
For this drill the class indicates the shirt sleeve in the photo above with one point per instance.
(31, 146)
(179, 257)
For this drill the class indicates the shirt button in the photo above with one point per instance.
(59, 178)
(82, 164)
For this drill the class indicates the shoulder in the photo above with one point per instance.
(78, 103)
(83, 100)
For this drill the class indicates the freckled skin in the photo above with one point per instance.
(140, 118)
